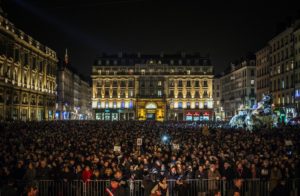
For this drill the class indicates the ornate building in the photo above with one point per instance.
(152, 87)
(262, 72)
(73, 94)
(297, 64)
(27, 76)
(217, 95)
(238, 87)
(282, 72)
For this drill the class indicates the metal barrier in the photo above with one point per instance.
(192, 187)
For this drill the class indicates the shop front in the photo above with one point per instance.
(198, 115)
(114, 114)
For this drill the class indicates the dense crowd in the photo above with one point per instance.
(86, 150)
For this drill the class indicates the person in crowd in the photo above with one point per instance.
(237, 187)
(161, 188)
(30, 173)
(115, 189)
(87, 174)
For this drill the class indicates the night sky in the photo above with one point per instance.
(87, 28)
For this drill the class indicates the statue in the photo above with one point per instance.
(261, 115)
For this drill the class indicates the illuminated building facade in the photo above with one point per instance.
(282, 72)
(152, 87)
(282, 55)
(217, 95)
(297, 66)
(27, 76)
(238, 87)
(262, 72)
(73, 94)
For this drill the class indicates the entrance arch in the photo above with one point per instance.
(151, 111)
(151, 105)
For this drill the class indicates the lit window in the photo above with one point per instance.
(159, 83)
(131, 93)
(188, 72)
(252, 82)
(130, 104)
(180, 105)
(282, 83)
(122, 104)
(143, 71)
(159, 93)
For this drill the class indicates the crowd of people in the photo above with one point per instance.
(179, 151)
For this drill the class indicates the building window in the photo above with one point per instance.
(196, 105)
(171, 94)
(131, 104)
(159, 83)
(188, 72)
(131, 93)
(114, 104)
(179, 83)
(180, 95)
(196, 83)
(188, 105)
(252, 82)
(180, 105)
(159, 93)
(188, 83)
(143, 71)
(205, 105)
(123, 104)
(205, 83)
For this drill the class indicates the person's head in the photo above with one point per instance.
(97, 173)
(78, 168)
(66, 169)
(226, 165)
(240, 165)
(238, 182)
(118, 174)
(31, 190)
(201, 168)
(87, 168)
(30, 165)
(173, 170)
(212, 167)
(43, 163)
(114, 184)
(108, 172)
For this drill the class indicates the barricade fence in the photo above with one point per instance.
(193, 187)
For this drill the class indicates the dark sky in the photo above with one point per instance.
(225, 30)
